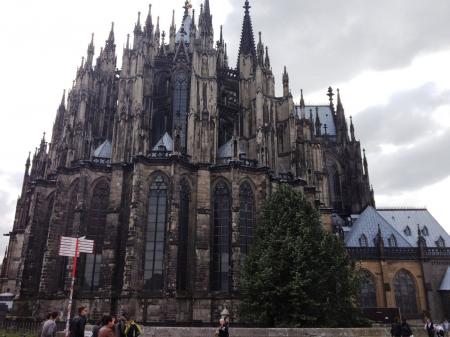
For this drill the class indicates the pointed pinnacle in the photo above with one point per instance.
(63, 99)
(111, 34)
(173, 18)
(247, 7)
(221, 34)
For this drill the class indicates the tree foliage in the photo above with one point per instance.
(296, 273)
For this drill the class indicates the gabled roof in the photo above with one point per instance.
(165, 141)
(367, 224)
(445, 284)
(186, 26)
(401, 218)
(104, 150)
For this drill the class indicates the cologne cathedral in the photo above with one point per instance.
(164, 160)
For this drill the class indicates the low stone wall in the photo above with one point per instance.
(259, 332)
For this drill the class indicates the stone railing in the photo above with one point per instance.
(397, 253)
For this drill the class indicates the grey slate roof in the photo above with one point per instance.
(445, 284)
(104, 150)
(165, 141)
(367, 225)
(325, 116)
(187, 30)
(401, 218)
(226, 150)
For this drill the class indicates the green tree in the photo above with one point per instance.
(296, 273)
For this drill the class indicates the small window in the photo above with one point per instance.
(440, 243)
(363, 241)
(392, 241)
(407, 231)
(425, 231)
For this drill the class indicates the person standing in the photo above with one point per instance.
(406, 329)
(107, 330)
(121, 323)
(132, 329)
(78, 323)
(445, 325)
(396, 328)
(429, 327)
(222, 331)
(49, 328)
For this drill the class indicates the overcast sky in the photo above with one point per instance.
(389, 58)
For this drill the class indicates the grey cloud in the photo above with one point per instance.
(323, 42)
(414, 168)
(406, 118)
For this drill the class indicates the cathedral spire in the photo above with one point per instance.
(149, 23)
(90, 52)
(267, 59)
(366, 169)
(352, 129)
(318, 124)
(302, 105)
(260, 51)
(63, 99)
(111, 35)
(285, 83)
(247, 44)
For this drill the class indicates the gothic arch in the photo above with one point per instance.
(406, 292)
(181, 84)
(367, 297)
(221, 236)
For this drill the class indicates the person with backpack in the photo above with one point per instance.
(406, 329)
(396, 328)
(132, 329)
(49, 328)
(78, 323)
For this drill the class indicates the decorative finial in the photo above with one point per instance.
(330, 95)
(247, 7)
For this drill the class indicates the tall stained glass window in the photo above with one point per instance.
(246, 218)
(155, 234)
(221, 238)
(405, 293)
(96, 231)
(367, 294)
(180, 107)
(183, 237)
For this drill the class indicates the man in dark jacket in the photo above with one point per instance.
(406, 330)
(78, 323)
(396, 328)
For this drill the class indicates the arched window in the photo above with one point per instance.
(161, 118)
(64, 277)
(367, 294)
(334, 182)
(440, 243)
(407, 231)
(405, 293)
(96, 231)
(155, 234)
(183, 236)
(221, 238)
(392, 241)
(363, 241)
(246, 218)
(180, 107)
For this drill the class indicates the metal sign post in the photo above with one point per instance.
(72, 247)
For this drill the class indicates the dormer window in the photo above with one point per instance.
(425, 231)
(363, 241)
(392, 241)
(440, 243)
(407, 231)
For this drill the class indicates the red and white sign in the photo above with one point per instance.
(68, 246)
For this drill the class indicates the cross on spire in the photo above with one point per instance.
(247, 7)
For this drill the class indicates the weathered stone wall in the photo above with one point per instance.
(261, 332)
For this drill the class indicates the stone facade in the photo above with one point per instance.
(164, 163)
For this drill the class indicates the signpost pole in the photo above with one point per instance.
(72, 283)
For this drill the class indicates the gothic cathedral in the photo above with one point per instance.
(164, 163)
